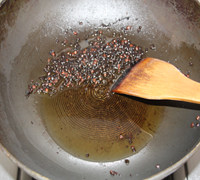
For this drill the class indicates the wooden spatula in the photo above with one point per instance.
(156, 79)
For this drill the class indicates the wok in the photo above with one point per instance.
(29, 29)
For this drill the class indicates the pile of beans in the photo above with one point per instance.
(99, 64)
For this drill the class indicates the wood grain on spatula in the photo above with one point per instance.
(156, 79)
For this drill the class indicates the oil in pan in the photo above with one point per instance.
(98, 129)
(81, 114)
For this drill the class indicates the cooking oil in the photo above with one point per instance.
(97, 125)
(92, 123)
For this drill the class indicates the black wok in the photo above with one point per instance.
(29, 29)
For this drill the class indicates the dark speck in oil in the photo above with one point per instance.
(127, 161)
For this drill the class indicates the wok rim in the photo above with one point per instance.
(159, 175)
(29, 171)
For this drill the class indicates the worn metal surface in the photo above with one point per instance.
(28, 30)
(1, 2)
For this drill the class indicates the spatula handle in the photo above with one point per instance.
(156, 79)
(186, 90)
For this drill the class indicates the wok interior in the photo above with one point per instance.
(29, 31)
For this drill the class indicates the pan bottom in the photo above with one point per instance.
(95, 125)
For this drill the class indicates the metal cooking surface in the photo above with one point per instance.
(29, 30)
